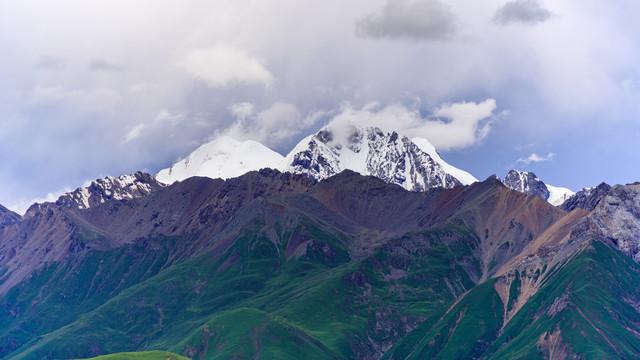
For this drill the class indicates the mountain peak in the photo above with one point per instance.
(528, 183)
(101, 190)
(411, 163)
(223, 158)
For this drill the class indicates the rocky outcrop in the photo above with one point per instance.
(615, 220)
(526, 182)
(123, 187)
(8, 217)
(587, 198)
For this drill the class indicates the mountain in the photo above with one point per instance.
(222, 158)
(587, 198)
(119, 188)
(413, 164)
(278, 265)
(8, 217)
(528, 183)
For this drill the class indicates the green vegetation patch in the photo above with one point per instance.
(145, 355)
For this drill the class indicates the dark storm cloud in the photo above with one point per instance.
(103, 65)
(521, 11)
(426, 20)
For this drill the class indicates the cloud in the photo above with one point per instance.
(420, 20)
(278, 123)
(134, 132)
(521, 11)
(164, 119)
(535, 158)
(451, 126)
(103, 65)
(48, 62)
(99, 99)
(225, 65)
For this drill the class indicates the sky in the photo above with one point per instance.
(101, 88)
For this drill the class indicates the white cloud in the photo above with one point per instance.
(535, 158)
(225, 65)
(134, 132)
(164, 119)
(414, 20)
(451, 126)
(272, 126)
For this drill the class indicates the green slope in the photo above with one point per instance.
(254, 299)
(587, 308)
(146, 355)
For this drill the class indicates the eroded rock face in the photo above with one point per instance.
(616, 220)
(586, 199)
(526, 182)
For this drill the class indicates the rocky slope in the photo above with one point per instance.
(615, 219)
(8, 217)
(528, 183)
(587, 198)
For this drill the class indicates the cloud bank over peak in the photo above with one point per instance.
(420, 20)
(450, 126)
(271, 126)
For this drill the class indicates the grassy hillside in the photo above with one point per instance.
(255, 300)
(587, 308)
(146, 355)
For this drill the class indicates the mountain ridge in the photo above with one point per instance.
(347, 267)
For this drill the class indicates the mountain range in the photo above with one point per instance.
(357, 245)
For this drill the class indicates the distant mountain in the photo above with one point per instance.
(413, 164)
(528, 183)
(222, 158)
(119, 188)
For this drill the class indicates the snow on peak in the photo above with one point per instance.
(558, 195)
(222, 158)
(528, 183)
(412, 164)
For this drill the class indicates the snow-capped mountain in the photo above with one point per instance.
(119, 188)
(222, 158)
(99, 191)
(411, 163)
(527, 182)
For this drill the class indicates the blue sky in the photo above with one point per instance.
(100, 88)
